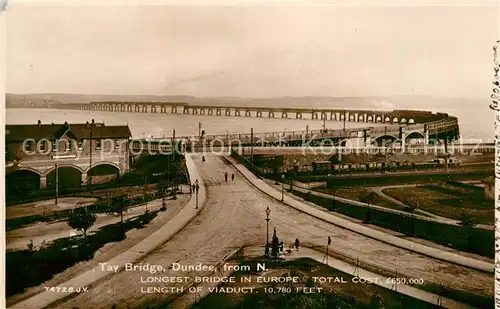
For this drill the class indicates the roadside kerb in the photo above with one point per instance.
(133, 255)
(357, 228)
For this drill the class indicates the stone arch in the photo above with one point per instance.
(411, 121)
(22, 181)
(103, 163)
(414, 134)
(403, 120)
(395, 120)
(69, 176)
(387, 119)
(369, 119)
(385, 139)
(361, 118)
(102, 172)
(30, 170)
(352, 117)
(378, 119)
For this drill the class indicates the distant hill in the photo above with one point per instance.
(373, 102)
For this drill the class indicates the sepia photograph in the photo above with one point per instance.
(237, 155)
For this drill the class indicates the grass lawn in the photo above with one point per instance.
(27, 268)
(353, 193)
(448, 201)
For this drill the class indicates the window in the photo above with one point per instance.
(42, 146)
(69, 145)
(117, 144)
(54, 146)
(80, 144)
(98, 144)
(29, 146)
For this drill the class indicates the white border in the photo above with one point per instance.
(2, 146)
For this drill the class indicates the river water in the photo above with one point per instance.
(475, 124)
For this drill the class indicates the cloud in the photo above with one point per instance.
(383, 105)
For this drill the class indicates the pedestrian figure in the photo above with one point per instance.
(232, 177)
(203, 158)
(225, 176)
(297, 243)
(194, 187)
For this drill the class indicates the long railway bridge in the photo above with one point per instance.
(381, 127)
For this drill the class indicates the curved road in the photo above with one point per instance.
(234, 216)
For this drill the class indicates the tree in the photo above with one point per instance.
(367, 197)
(82, 220)
(118, 205)
(468, 221)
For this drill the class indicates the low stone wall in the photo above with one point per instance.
(298, 162)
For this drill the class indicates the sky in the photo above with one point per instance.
(252, 51)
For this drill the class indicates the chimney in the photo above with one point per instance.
(39, 123)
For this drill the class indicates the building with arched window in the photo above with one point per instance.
(80, 153)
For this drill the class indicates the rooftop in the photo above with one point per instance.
(93, 130)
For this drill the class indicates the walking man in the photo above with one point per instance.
(225, 176)
(232, 177)
(297, 244)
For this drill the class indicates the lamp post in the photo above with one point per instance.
(268, 211)
(282, 187)
(197, 188)
(145, 192)
(57, 183)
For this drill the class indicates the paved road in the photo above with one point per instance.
(48, 232)
(234, 215)
(46, 206)
(228, 220)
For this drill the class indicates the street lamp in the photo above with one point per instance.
(268, 211)
(282, 187)
(197, 188)
(145, 192)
